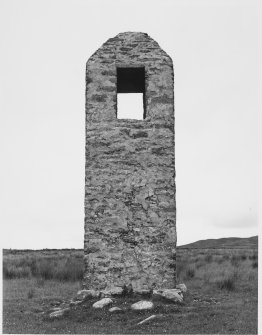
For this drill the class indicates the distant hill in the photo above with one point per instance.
(224, 243)
(219, 243)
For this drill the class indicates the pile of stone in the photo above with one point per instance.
(108, 297)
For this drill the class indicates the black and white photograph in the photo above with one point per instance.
(129, 166)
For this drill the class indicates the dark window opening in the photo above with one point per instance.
(131, 93)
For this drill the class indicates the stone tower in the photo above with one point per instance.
(130, 209)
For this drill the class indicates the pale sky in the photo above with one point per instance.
(44, 47)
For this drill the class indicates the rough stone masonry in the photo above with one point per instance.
(130, 208)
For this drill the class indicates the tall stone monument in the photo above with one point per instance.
(130, 208)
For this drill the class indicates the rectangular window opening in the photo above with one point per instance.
(131, 93)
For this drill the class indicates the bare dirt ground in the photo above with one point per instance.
(221, 299)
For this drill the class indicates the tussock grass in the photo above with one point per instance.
(235, 260)
(200, 264)
(253, 257)
(255, 264)
(11, 271)
(220, 260)
(228, 283)
(190, 272)
(209, 258)
(40, 282)
(229, 270)
(30, 293)
(214, 269)
(55, 267)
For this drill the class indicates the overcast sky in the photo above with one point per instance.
(45, 45)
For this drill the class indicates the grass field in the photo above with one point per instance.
(222, 295)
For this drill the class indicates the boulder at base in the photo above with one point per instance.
(143, 304)
(112, 292)
(142, 291)
(182, 287)
(58, 313)
(115, 310)
(83, 294)
(174, 295)
(102, 303)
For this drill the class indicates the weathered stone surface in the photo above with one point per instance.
(102, 303)
(130, 209)
(175, 295)
(142, 291)
(115, 310)
(143, 304)
(58, 313)
(83, 294)
(182, 287)
(115, 291)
